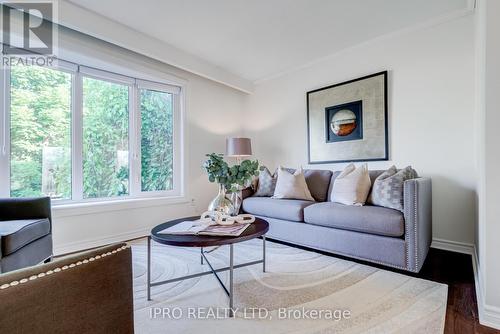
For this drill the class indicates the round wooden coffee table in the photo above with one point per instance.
(257, 229)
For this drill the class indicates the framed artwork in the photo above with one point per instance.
(348, 121)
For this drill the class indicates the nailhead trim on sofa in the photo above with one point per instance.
(65, 267)
(416, 224)
(414, 217)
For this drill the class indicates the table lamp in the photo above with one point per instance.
(238, 148)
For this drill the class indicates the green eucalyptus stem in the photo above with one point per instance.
(231, 177)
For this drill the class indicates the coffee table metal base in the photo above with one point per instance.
(229, 292)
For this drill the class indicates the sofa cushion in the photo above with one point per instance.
(367, 219)
(15, 234)
(287, 209)
(318, 181)
(374, 174)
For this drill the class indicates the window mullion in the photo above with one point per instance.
(5, 130)
(77, 137)
(134, 142)
(178, 174)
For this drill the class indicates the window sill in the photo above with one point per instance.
(87, 208)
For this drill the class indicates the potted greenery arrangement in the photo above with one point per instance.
(231, 180)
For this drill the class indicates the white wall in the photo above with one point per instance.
(488, 88)
(431, 113)
(212, 113)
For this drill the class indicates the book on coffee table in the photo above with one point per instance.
(195, 228)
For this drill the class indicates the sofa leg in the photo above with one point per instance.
(47, 260)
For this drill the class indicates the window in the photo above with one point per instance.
(156, 140)
(105, 139)
(79, 134)
(40, 132)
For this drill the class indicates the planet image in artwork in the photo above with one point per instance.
(343, 123)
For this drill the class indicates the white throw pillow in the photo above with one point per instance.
(352, 186)
(292, 186)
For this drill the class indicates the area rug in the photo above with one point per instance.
(301, 292)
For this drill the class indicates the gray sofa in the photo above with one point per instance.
(371, 233)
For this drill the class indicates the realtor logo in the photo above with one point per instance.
(28, 27)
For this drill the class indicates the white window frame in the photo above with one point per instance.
(5, 144)
(4, 132)
(134, 136)
(176, 117)
(86, 72)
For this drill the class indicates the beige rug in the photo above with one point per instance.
(301, 292)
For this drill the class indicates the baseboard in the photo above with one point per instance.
(453, 246)
(71, 247)
(478, 285)
(488, 315)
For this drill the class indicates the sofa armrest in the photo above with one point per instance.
(90, 292)
(247, 192)
(25, 208)
(418, 221)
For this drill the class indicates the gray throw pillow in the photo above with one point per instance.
(266, 184)
(387, 190)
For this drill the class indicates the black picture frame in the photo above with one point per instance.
(386, 120)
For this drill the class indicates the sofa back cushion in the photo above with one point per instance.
(374, 174)
(318, 182)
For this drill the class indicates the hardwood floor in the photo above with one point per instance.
(455, 270)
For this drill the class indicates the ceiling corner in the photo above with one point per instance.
(95, 25)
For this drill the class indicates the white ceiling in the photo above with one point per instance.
(257, 39)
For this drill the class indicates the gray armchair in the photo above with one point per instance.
(25, 232)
